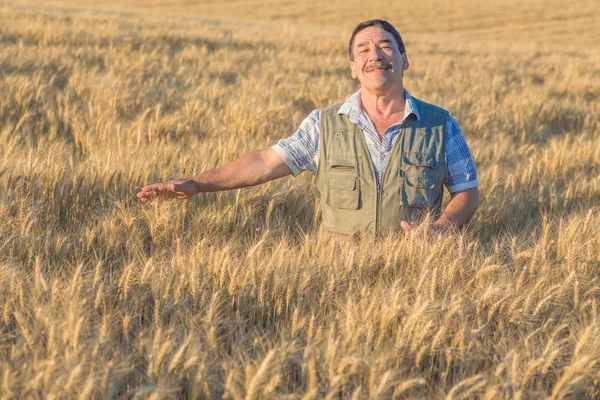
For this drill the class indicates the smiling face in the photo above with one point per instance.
(378, 63)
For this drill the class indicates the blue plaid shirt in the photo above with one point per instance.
(301, 150)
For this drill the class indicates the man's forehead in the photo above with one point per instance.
(372, 34)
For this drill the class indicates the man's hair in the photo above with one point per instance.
(386, 26)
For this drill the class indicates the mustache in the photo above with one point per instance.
(377, 65)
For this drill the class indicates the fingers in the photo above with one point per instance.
(180, 189)
(406, 226)
(159, 191)
(145, 194)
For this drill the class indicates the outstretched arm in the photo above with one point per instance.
(459, 211)
(254, 168)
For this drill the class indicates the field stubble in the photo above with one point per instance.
(236, 294)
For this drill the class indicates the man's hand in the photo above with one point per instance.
(179, 189)
(458, 212)
(254, 168)
(406, 226)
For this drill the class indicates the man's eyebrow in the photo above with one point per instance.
(366, 43)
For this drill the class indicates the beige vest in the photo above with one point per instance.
(411, 183)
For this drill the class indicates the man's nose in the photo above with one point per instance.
(375, 54)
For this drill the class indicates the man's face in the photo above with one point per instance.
(378, 64)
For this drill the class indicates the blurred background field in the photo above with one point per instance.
(554, 22)
(236, 294)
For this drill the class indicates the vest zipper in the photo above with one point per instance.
(399, 142)
(378, 207)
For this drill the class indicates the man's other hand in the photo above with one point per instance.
(178, 189)
(458, 212)
(406, 226)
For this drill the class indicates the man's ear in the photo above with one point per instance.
(352, 70)
(405, 63)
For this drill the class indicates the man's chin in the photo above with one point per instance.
(379, 89)
(378, 81)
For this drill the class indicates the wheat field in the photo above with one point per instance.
(238, 294)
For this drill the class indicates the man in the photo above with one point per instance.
(380, 159)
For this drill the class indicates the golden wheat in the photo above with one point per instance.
(237, 294)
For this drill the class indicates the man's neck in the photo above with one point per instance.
(383, 105)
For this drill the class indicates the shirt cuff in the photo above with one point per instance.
(286, 157)
(463, 186)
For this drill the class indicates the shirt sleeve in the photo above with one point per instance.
(462, 174)
(301, 150)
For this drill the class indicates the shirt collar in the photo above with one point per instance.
(353, 107)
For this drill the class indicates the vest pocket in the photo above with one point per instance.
(343, 191)
(419, 186)
(343, 185)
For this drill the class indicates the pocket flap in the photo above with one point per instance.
(420, 159)
(339, 162)
(424, 180)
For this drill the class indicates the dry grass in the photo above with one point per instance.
(236, 294)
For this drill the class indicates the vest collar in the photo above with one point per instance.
(353, 108)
